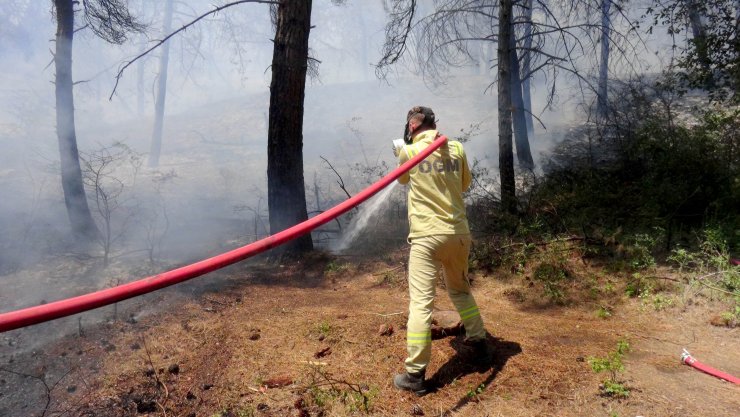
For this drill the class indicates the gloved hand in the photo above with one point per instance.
(397, 145)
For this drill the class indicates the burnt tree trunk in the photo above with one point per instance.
(286, 192)
(602, 94)
(699, 39)
(75, 199)
(156, 146)
(521, 139)
(505, 151)
(527, 67)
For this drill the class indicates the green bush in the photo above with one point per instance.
(553, 272)
(645, 167)
(612, 364)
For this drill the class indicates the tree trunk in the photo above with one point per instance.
(140, 90)
(364, 59)
(164, 59)
(526, 59)
(602, 102)
(506, 156)
(286, 191)
(75, 199)
(700, 41)
(523, 153)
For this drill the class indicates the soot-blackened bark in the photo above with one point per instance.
(75, 199)
(602, 95)
(506, 155)
(286, 192)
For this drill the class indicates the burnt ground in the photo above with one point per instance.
(325, 338)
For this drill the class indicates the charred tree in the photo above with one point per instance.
(164, 59)
(111, 21)
(701, 43)
(286, 192)
(602, 93)
(526, 67)
(523, 152)
(75, 199)
(505, 155)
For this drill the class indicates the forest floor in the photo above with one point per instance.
(326, 335)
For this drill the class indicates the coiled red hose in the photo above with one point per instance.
(62, 308)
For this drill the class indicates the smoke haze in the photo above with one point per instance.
(208, 193)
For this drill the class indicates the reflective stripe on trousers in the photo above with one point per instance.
(428, 255)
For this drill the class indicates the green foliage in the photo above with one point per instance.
(388, 278)
(709, 267)
(553, 270)
(324, 328)
(613, 365)
(650, 165)
(245, 412)
(615, 389)
(474, 392)
(710, 60)
(683, 259)
(731, 280)
(660, 301)
(334, 267)
(731, 318)
(639, 251)
(552, 276)
(603, 312)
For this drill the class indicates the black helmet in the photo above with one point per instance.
(428, 120)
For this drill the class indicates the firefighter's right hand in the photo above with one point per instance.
(397, 145)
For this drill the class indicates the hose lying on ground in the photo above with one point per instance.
(687, 359)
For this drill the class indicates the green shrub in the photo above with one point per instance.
(612, 364)
(552, 276)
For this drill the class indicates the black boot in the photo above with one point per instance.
(411, 382)
(481, 354)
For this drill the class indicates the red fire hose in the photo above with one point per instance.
(62, 308)
(689, 360)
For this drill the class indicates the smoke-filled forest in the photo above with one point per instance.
(188, 225)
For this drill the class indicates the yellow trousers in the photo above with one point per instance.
(428, 255)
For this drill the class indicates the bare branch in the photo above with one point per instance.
(340, 181)
(397, 33)
(184, 27)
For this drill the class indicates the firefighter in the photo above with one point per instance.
(439, 238)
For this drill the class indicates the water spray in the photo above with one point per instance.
(360, 221)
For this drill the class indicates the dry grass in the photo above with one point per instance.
(305, 339)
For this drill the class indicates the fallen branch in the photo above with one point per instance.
(47, 388)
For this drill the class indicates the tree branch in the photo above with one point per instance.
(184, 27)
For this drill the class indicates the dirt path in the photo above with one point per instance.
(287, 341)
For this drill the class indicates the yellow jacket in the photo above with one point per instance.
(436, 186)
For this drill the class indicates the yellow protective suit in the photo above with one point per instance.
(440, 238)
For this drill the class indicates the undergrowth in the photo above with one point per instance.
(644, 200)
(612, 364)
